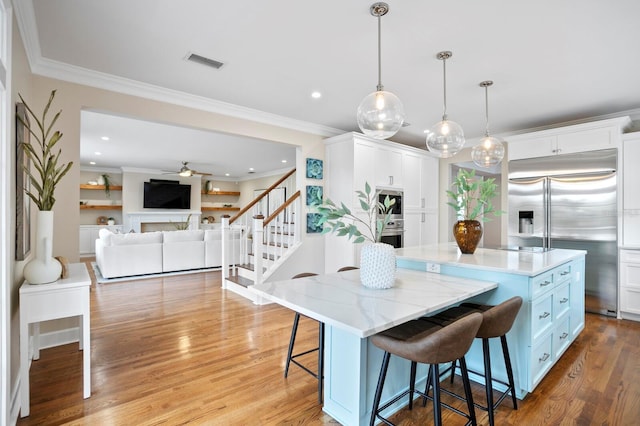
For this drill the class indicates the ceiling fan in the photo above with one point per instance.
(186, 171)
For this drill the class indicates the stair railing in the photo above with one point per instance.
(241, 237)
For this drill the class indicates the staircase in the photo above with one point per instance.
(260, 244)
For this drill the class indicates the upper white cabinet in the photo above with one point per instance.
(566, 140)
(389, 167)
(353, 159)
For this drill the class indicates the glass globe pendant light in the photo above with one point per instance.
(446, 137)
(490, 151)
(380, 114)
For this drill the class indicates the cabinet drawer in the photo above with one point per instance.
(561, 301)
(541, 359)
(630, 275)
(561, 337)
(541, 284)
(630, 300)
(630, 256)
(541, 315)
(562, 274)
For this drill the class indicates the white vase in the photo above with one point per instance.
(378, 265)
(44, 268)
(101, 180)
(209, 186)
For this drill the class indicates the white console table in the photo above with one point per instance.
(64, 298)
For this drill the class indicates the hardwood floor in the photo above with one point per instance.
(180, 350)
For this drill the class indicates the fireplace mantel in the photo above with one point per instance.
(134, 220)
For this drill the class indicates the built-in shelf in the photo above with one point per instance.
(102, 207)
(219, 209)
(101, 187)
(236, 193)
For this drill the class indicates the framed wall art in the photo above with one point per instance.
(23, 202)
(313, 227)
(314, 168)
(314, 195)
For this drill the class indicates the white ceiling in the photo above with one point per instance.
(551, 61)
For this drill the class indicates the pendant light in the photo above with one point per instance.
(490, 151)
(446, 137)
(380, 114)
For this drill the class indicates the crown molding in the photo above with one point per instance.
(25, 15)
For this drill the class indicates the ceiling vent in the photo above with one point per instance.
(204, 61)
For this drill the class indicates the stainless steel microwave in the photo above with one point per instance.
(396, 209)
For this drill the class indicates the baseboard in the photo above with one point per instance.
(59, 337)
(14, 406)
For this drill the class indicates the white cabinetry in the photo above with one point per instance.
(630, 284)
(566, 140)
(89, 235)
(353, 159)
(630, 184)
(388, 169)
(420, 199)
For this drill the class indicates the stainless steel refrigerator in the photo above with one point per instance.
(569, 201)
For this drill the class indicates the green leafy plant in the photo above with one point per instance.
(42, 154)
(334, 217)
(107, 184)
(471, 196)
(183, 226)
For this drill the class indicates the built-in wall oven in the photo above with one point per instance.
(393, 233)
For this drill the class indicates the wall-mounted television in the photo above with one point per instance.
(166, 194)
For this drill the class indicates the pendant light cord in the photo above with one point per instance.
(444, 84)
(486, 109)
(379, 87)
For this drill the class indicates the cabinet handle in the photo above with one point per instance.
(422, 202)
(543, 316)
(544, 357)
(390, 180)
(423, 217)
(545, 283)
(563, 273)
(564, 336)
(564, 300)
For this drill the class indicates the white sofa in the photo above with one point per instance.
(122, 255)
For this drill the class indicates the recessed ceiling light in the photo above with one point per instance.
(284, 161)
(93, 163)
(97, 153)
(316, 95)
(226, 174)
(251, 169)
(105, 138)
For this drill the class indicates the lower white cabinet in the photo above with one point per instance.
(630, 284)
(89, 235)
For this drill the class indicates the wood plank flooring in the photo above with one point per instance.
(180, 350)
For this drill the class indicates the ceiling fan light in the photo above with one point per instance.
(445, 139)
(380, 114)
(488, 153)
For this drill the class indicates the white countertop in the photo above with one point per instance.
(340, 300)
(515, 262)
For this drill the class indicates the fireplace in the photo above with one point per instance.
(134, 220)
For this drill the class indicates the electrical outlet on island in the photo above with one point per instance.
(433, 267)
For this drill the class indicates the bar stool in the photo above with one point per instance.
(291, 357)
(427, 343)
(496, 322)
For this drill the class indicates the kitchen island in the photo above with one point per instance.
(551, 284)
(352, 313)
(552, 315)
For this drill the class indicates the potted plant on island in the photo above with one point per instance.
(471, 199)
(377, 260)
(44, 179)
